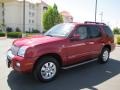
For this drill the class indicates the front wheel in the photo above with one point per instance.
(46, 69)
(104, 56)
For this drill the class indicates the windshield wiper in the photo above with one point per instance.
(49, 35)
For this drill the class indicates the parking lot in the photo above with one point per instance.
(92, 76)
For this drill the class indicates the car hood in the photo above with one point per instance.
(35, 40)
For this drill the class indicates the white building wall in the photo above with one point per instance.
(39, 12)
(67, 19)
(0, 13)
(12, 15)
(33, 15)
(38, 17)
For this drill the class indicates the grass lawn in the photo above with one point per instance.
(115, 37)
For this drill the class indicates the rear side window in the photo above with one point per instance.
(108, 31)
(94, 31)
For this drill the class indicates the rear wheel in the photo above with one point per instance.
(47, 69)
(104, 56)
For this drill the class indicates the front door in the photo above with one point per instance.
(78, 50)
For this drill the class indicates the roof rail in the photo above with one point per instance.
(89, 22)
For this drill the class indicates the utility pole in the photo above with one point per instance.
(3, 16)
(95, 10)
(101, 14)
(3, 21)
(41, 7)
(23, 32)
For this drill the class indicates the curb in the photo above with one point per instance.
(117, 45)
(2, 38)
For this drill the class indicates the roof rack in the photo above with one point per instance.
(89, 22)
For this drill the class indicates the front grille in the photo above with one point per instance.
(14, 50)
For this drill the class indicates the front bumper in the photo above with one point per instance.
(20, 64)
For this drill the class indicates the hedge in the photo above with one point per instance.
(35, 31)
(118, 40)
(14, 34)
(2, 34)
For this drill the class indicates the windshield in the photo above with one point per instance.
(62, 30)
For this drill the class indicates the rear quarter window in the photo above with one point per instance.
(108, 31)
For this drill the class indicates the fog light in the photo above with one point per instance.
(18, 64)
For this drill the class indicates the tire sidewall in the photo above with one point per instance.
(37, 71)
(101, 60)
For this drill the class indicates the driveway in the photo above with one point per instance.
(92, 76)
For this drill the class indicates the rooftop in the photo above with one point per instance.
(65, 13)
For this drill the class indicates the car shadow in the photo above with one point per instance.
(85, 76)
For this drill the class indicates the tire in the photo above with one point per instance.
(46, 69)
(104, 56)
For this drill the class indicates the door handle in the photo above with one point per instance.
(91, 43)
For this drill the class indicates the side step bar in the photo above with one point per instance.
(68, 67)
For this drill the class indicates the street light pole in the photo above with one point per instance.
(95, 10)
(23, 19)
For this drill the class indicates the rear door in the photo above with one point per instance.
(95, 40)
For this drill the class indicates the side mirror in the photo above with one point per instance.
(75, 37)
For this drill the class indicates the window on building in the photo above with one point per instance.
(29, 5)
(32, 21)
(29, 21)
(2, 5)
(3, 13)
(29, 13)
(45, 8)
(29, 30)
(33, 14)
(32, 29)
(33, 6)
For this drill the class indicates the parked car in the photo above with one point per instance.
(64, 46)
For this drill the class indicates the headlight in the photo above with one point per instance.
(22, 50)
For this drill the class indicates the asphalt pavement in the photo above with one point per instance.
(91, 76)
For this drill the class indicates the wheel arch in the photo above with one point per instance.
(55, 55)
(107, 46)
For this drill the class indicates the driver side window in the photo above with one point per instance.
(82, 31)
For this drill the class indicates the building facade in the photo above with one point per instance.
(67, 17)
(11, 14)
(1, 11)
(1, 14)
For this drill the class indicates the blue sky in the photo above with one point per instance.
(83, 10)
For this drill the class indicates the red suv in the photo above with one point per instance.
(63, 46)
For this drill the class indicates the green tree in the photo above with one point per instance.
(58, 17)
(51, 17)
(116, 30)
